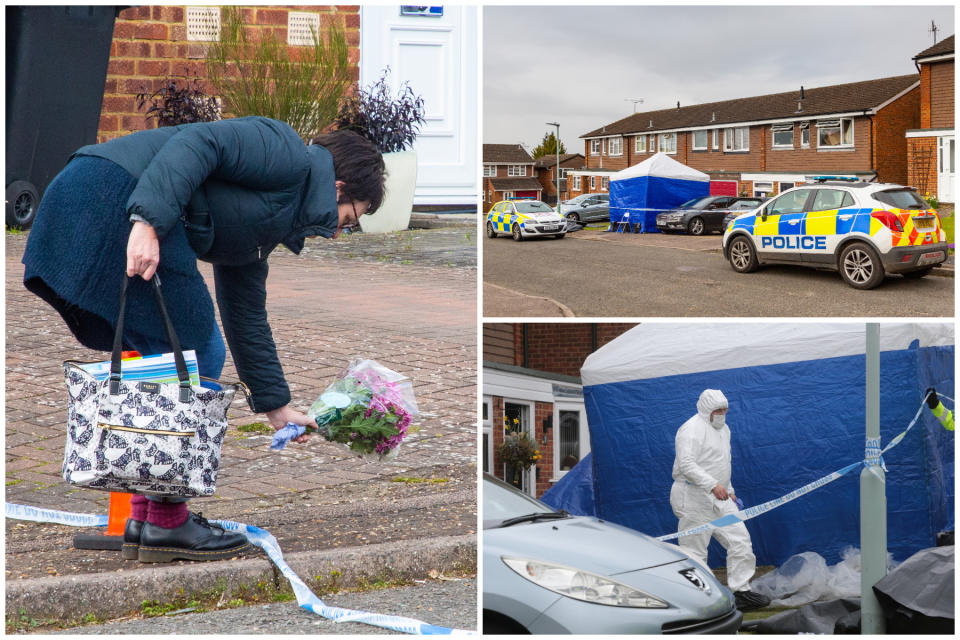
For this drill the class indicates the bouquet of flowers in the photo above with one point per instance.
(368, 408)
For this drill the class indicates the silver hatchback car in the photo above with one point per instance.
(545, 571)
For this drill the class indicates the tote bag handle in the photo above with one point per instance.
(182, 374)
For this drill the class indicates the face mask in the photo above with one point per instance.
(718, 421)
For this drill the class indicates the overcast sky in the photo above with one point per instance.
(578, 65)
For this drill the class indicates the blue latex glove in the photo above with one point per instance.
(286, 434)
(739, 504)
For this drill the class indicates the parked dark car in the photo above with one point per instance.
(703, 215)
(741, 207)
(589, 207)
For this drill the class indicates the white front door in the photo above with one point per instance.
(437, 55)
(946, 169)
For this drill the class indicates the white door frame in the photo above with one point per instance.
(530, 475)
(569, 405)
(946, 180)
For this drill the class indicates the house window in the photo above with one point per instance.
(593, 183)
(716, 139)
(782, 136)
(572, 443)
(595, 147)
(736, 139)
(835, 134)
(563, 173)
(489, 171)
(805, 135)
(576, 183)
(517, 170)
(783, 186)
(615, 147)
(700, 140)
(604, 183)
(508, 195)
(668, 143)
(640, 144)
(487, 435)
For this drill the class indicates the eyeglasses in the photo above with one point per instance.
(354, 226)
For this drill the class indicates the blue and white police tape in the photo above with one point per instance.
(873, 457)
(265, 540)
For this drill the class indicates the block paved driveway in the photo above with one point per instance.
(416, 315)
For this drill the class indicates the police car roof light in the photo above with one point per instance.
(840, 178)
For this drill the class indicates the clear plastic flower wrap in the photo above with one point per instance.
(368, 409)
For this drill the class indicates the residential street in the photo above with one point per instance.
(597, 274)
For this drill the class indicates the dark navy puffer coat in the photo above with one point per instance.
(238, 188)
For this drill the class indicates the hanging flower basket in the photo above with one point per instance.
(519, 451)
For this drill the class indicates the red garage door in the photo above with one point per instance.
(526, 194)
(723, 187)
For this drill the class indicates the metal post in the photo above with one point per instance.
(557, 169)
(873, 499)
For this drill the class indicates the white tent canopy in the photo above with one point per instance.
(661, 165)
(654, 350)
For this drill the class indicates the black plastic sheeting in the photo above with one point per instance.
(916, 597)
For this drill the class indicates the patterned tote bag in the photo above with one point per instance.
(141, 436)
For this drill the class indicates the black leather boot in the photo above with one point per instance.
(131, 539)
(195, 539)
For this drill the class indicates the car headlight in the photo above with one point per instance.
(582, 585)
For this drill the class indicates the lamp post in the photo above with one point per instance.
(873, 499)
(556, 148)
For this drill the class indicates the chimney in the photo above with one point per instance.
(800, 101)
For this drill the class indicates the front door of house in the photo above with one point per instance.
(518, 419)
(435, 50)
(946, 169)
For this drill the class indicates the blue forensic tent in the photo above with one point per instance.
(640, 192)
(797, 413)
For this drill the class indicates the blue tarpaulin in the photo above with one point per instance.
(640, 192)
(797, 413)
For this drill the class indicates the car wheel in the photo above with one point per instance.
(916, 275)
(574, 218)
(490, 232)
(860, 266)
(743, 258)
(696, 227)
(498, 624)
(22, 201)
(516, 232)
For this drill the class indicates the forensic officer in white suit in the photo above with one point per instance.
(702, 492)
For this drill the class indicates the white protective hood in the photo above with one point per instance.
(661, 165)
(654, 350)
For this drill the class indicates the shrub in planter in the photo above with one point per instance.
(391, 123)
(172, 104)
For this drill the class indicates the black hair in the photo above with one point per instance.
(357, 163)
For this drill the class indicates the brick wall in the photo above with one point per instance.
(941, 95)
(890, 136)
(543, 413)
(562, 347)
(150, 45)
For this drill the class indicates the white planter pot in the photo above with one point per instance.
(401, 183)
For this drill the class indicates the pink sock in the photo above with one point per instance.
(138, 508)
(168, 515)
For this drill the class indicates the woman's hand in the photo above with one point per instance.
(279, 418)
(143, 251)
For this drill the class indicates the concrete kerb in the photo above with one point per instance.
(111, 595)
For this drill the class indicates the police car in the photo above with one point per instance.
(864, 230)
(524, 219)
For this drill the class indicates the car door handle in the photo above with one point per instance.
(845, 217)
(794, 221)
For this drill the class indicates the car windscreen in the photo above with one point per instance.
(901, 199)
(502, 503)
(532, 207)
(696, 203)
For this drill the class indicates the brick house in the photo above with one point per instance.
(153, 43)
(531, 373)
(545, 168)
(765, 144)
(931, 149)
(508, 173)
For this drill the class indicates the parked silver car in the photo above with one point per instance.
(545, 571)
(589, 207)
